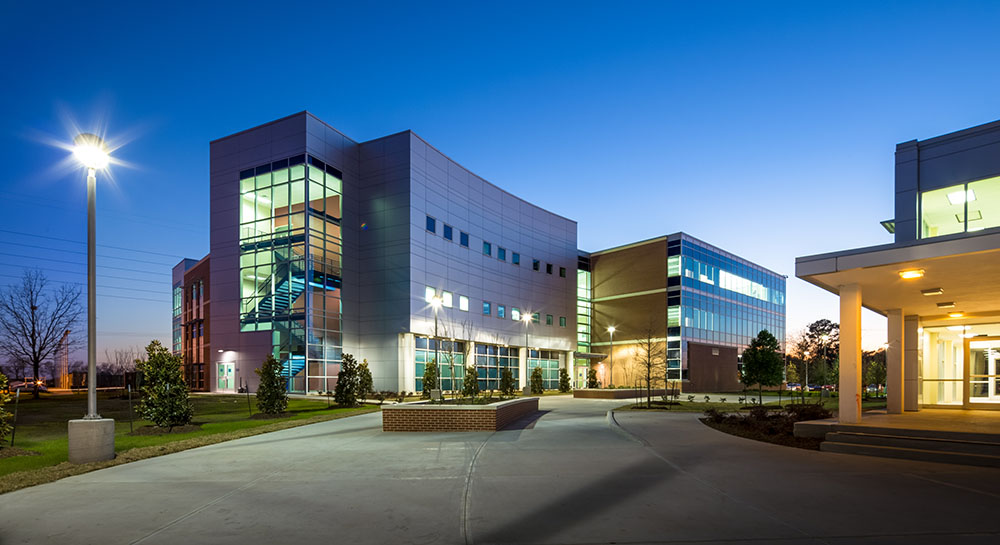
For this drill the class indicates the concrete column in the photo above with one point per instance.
(911, 354)
(894, 362)
(850, 354)
(522, 379)
(407, 366)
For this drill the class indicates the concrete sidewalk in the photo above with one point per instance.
(568, 476)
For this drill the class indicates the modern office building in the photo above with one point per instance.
(938, 283)
(191, 330)
(706, 304)
(392, 252)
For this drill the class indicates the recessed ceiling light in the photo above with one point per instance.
(910, 274)
(956, 314)
(957, 197)
(932, 291)
(949, 304)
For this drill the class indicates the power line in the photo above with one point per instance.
(103, 276)
(104, 256)
(82, 242)
(81, 264)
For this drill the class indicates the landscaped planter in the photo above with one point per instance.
(614, 393)
(434, 417)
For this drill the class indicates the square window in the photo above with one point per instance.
(428, 294)
(501, 311)
(446, 299)
(463, 303)
(515, 313)
(487, 311)
(487, 249)
(463, 238)
(515, 258)
(548, 268)
(562, 272)
(535, 264)
(502, 254)
(548, 319)
(562, 321)
(431, 224)
(448, 232)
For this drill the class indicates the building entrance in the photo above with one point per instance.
(226, 377)
(984, 370)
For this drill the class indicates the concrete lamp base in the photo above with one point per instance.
(91, 440)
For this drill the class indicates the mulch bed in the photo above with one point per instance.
(10, 452)
(772, 432)
(153, 430)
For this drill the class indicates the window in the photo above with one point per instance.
(448, 232)
(428, 294)
(431, 224)
(463, 303)
(515, 313)
(535, 264)
(535, 318)
(501, 311)
(515, 258)
(463, 238)
(562, 321)
(562, 272)
(487, 311)
(446, 300)
(502, 254)
(487, 249)
(548, 319)
(548, 268)
(960, 208)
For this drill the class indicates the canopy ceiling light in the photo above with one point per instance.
(910, 274)
(932, 291)
(947, 304)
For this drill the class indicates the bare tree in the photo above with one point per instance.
(119, 361)
(34, 319)
(17, 366)
(650, 360)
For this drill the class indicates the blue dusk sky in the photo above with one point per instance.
(767, 129)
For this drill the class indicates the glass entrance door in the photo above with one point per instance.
(226, 377)
(984, 370)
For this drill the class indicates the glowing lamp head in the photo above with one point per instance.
(90, 150)
(956, 314)
(436, 302)
(526, 318)
(911, 274)
(612, 329)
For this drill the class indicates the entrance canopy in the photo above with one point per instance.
(964, 271)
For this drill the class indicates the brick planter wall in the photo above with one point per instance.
(617, 393)
(427, 417)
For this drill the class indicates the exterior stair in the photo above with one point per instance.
(945, 447)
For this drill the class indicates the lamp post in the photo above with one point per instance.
(91, 438)
(436, 305)
(611, 367)
(805, 384)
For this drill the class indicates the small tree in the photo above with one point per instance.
(564, 380)
(650, 360)
(507, 383)
(272, 394)
(366, 386)
(762, 363)
(4, 415)
(430, 377)
(537, 386)
(165, 400)
(470, 386)
(346, 390)
(592, 378)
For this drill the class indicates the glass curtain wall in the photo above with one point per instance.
(961, 208)
(178, 331)
(584, 319)
(548, 360)
(449, 353)
(491, 360)
(290, 213)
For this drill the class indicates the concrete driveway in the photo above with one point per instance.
(569, 476)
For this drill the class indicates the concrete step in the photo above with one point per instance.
(900, 440)
(924, 455)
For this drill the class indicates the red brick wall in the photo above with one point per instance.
(455, 417)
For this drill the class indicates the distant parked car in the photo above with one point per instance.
(813, 387)
(793, 386)
(830, 387)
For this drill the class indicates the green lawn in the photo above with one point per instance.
(42, 424)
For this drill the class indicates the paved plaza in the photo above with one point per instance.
(571, 475)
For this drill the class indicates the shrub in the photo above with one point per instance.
(807, 411)
(366, 386)
(272, 394)
(430, 377)
(564, 380)
(708, 398)
(346, 390)
(470, 385)
(592, 378)
(4, 415)
(715, 415)
(690, 398)
(758, 413)
(507, 383)
(537, 386)
(722, 400)
(401, 396)
(165, 395)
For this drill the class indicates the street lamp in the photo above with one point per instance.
(611, 367)
(436, 305)
(91, 438)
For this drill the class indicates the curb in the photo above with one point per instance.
(617, 428)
